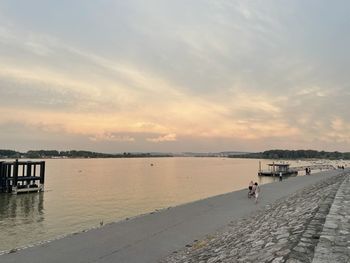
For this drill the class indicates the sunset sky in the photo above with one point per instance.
(173, 76)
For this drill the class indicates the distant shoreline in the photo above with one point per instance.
(295, 155)
(271, 154)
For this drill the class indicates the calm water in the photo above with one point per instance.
(79, 193)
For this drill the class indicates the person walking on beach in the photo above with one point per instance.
(256, 192)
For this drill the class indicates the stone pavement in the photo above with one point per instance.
(334, 244)
(287, 231)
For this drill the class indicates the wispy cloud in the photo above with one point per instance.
(164, 138)
(233, 71)
(110, 137)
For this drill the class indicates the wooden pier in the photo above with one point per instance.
(276, 169)
(22, 176)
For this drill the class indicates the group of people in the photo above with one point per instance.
(254, 190)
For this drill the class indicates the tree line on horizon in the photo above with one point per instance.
(71, 154)
(295, 154)
(270, 154)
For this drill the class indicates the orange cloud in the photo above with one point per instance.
(165, 138)
(112, 138)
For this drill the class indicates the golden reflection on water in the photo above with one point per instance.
(20, 208)
(24, 212)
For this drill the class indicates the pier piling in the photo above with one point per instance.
(22, 176)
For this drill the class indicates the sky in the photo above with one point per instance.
(174, 76)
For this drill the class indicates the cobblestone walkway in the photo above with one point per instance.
(334, 244)
(286, 231)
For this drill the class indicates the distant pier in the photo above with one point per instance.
(276, 169)
(284, 169)
(22, 176)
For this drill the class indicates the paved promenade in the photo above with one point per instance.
(152, 237)
(288, 231)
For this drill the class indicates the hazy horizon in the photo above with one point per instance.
(168, 152)
(174, 76)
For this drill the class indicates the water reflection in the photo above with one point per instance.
(23, 205)
(21, 216)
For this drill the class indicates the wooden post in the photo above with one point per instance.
(2, 177)
(29, 172)
(15, 174)
(8, 171)
(34, 172)
(29, 169)
(42, 173)
(7, 175)
(259, 166)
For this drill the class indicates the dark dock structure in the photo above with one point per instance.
(284, 169)
(22, 176)
(277, 169)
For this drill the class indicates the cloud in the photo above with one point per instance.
(110, 137)
(314, 91)
(164, 138)
(152, 72)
